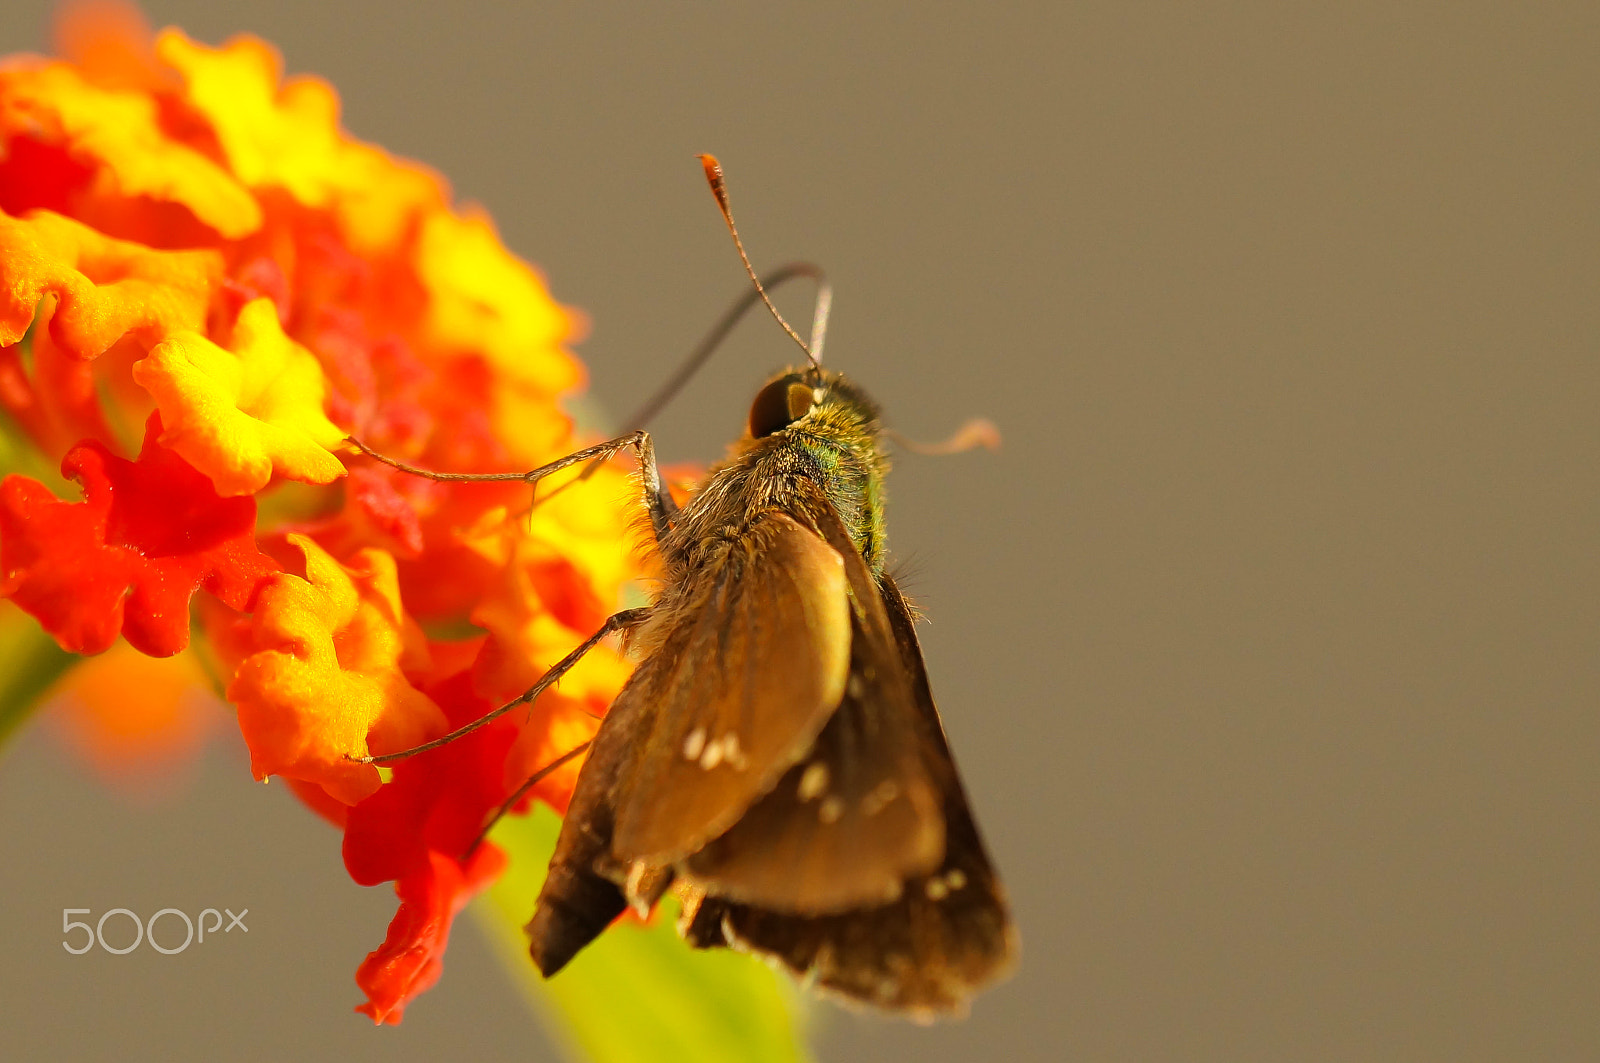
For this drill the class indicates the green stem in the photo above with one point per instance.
(638, 994)
(30, 661)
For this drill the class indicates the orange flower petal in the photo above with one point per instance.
(56, 398)
(565, 566)
(118, 134)
(566, 724)
(591, 522)
(379, 196)
(110, 41)
(329, 679)
(524, 643)
(107, 287)
(529, 422)
(241, 416)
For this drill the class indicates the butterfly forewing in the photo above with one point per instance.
(581, 894)
(755, 658)
(749, 657)
(851, 822)
(858, 815)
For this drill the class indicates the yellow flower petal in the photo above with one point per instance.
(120, 135)
(288, 136)
(107, 287)
(379, 197)
(485, 299)
(240, 416)
(586, 523)
(564, 574)
(284, 138)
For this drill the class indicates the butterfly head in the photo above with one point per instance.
(816, 399)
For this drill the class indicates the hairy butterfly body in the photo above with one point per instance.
(776, 757)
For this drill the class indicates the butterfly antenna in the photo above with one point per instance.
(719, 188)
(642, 417)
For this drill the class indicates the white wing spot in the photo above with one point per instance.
(732, 753)
(813, 781)
(935, 889)
(694, 744)
(830, 810)
(636, 876)
(712, 756)
(880, 797)
(855, 687)
(955, 878)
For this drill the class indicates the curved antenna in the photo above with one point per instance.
(719, 332)
(719, 188)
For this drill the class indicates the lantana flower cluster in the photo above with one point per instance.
(206, 287)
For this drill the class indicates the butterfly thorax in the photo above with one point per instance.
(834, 446)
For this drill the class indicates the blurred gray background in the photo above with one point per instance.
(1268, 645)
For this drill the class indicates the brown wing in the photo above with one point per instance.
(948, 935)
(581, 895)
(753, 661)
(754, 645)
(859, 815)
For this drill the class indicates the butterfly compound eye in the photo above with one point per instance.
(779, 405)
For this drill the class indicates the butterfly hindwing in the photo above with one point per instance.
(924, 954)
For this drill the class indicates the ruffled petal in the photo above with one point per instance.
(107, 287)
(416, 831)
(328, 679)
(412, 956)
(244, 415)
(483, 298)
(562, 571)
(117, 135)
(129, 557)
(285, 134)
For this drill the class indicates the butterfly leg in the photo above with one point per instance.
(657, 497)
(522, 791)
(617, 622)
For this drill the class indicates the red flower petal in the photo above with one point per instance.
(128, 558)
(437, 801)
(411, 957)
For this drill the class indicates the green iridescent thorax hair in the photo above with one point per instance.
(833, 441)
